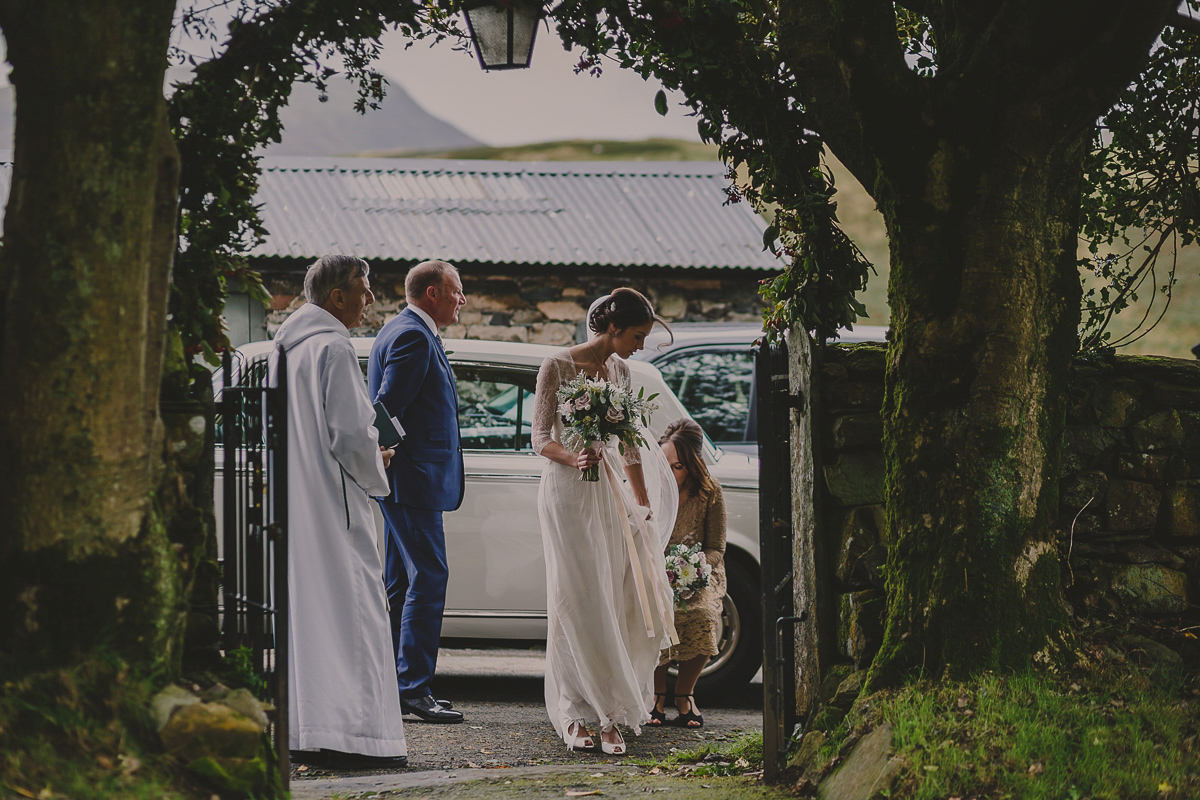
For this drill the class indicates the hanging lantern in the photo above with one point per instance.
(503, 31)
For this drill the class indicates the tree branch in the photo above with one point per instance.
(860, 93)
(1069, 58)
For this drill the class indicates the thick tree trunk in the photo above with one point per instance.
(984, 297)
(88, 241)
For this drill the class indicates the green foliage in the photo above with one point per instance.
(725, 57)
(242, 673)
(1116, 733)
(728, 58)
(230, 110)
(84, 733)
(1144, 199)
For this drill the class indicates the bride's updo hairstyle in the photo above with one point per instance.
(688, 439)
(624, 308)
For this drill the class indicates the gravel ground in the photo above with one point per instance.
(530, 783)
(500, 692)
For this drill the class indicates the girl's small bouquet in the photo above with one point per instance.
(594, 410)
(688, 571)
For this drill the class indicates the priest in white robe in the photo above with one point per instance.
(342, 696)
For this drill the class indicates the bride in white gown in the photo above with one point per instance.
(609, 606)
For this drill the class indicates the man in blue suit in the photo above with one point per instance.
(410, 375)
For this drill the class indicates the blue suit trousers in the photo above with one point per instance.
(415, 575)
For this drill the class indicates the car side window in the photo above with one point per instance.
(714, 387)
(495, 407)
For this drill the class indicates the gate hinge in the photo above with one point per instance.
(796, 402)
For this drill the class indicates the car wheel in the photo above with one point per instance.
(739, 640)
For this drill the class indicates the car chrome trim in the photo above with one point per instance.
(495, 614)
(499, 476)
(493, 365)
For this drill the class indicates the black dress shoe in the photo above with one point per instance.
(335, 759)
(429, 709)
(445, 704)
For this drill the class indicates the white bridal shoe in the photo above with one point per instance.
(616, 748)
(577, 737)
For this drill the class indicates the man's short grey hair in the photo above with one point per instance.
(426, 274)
(329, 273)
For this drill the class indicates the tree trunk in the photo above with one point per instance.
(984, 296)
(89, 230)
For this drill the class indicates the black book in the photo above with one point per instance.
(390, 433)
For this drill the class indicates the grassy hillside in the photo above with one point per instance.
(578, 150)
(1175, 335)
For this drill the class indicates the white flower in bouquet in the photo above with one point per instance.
(594, 411)
(688, 571)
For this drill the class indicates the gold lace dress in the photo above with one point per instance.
(701, 518)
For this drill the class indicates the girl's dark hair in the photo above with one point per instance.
(625, 308)
(688, 439)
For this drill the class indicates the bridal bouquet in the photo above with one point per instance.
(594, 410)
(687, 571)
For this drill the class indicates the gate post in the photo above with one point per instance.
(808, 559)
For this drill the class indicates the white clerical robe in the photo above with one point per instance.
(341, 668)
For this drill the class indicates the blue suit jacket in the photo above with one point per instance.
(409, 373)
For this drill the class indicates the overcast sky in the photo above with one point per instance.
(548, 101)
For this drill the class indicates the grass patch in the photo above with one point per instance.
(581, 150)
(1118, 734)
(740, 756)
(84, 733)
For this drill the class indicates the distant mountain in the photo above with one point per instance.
(333, 128)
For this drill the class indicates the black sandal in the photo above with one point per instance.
(685, 720)
(657, 718)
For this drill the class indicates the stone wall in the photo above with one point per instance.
(1129, 514)
(547, 308)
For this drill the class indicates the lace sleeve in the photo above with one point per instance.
(632, 455)
(714, 527)
(545, 404)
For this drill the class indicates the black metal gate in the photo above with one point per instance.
(775, 552)
(254, 594)
(788, 500)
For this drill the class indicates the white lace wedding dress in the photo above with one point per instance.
(603, 642)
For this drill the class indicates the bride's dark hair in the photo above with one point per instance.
(625, 308)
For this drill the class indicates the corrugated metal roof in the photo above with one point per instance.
(669, 214)
(604, 213)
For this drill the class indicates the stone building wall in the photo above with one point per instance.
(1129, 513)
(548, 307)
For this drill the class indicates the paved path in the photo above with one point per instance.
(506, 731)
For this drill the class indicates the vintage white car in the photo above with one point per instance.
(497, 587)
